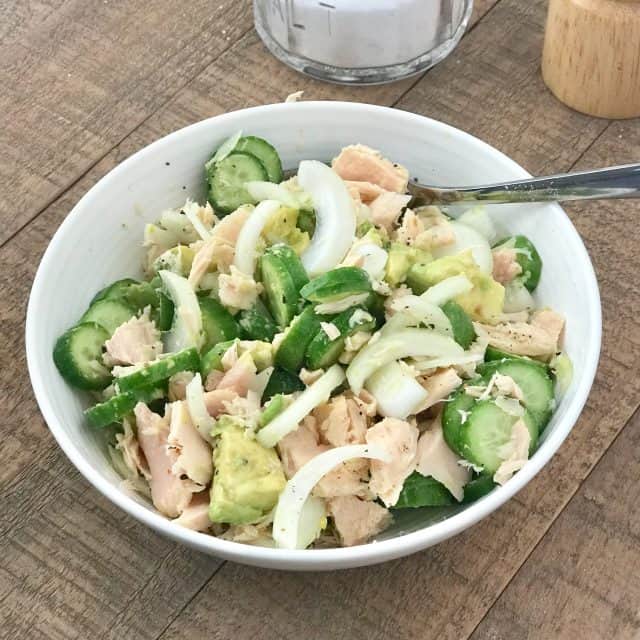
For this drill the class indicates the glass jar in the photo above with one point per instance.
(361, 41)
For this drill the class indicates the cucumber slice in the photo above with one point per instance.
(322, 351)
(273, 408)
(212, 359)
(423, 491)
(226, 181)
(133, 292)
(282, 382)
(292, 264)
(463, 332)
(336, 284)
(116, 408)
(163, 316)
(374, 304)
(109, 313)
(534, 381)
(477, 488)
(290, 353)
(265, 152)
(78, 356)
(280, 290)
(159, 370)
(492, 355)
(486, 430)
(218, 324)
(457, 406)
(528, 258)
(257, 324)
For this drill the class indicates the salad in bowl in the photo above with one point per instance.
(308, 356)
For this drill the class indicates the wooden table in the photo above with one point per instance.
(85, 84)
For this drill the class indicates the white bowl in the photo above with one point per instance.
(99, 242)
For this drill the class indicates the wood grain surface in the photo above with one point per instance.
(558, 561)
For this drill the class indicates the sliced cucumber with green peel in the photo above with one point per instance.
(271, 410)
(527, 257)
(109, 313)
(218, 324)
(117, 407)
(337, 284)
(456, 410)
(323, 351)
(477, 488)
(78, 356)
(282, 382)
(257, 324)
(212, 359)
(292, 264)
(534, 382)
(226, 180)
(463, 332)
(374, 304)
(423, 491)
(134, 292)
(265, 152)
(163, 315)
(290, 353)
(486, 430)
(279, 287)
(159, 370)
(492, 354)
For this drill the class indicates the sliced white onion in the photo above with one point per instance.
(225, 149)
(313, 519)
(304, 404)
(403, 343)
(335, 217)
(423, 311)
(286, 521)
(517, 298)
(397, 392)
(510, 406)
(260, 381)
(424, 364)
(246, 254)
(198, 408)
(186, 330)
(468, 238)
(191, 209)
(479, 219)
(374, 258)
(259, 191)
(446, 290)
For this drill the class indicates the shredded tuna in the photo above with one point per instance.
(439, 386)
(386, 209)
(362, 191)
(411, 228)
(520, 338)
(505, 265)
(178, 385)
(196, 514)
(341, 421)
(361, 163)
(551, 322)
(216, 400)
(400, 439)
(240, 376)
(331, 331)
(213, 380)
(357, 521)
(237, 289)
(134, 342)
(309, 377)
(128, 445)
(514, 454)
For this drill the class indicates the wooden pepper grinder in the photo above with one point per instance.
(591, 57)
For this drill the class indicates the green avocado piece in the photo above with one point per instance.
(401, 258)
(248, 478)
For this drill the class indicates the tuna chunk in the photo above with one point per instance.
(219, 249)
(435, 459)
(400, 439)
(364, 192)
(341, 421)
(128, 445)
(439, 235)
(240, 376)
(170, 493)
(363, 164)
(520, 338)
(134, 342)
(505, 265)
(178, 385)
(411, 227)
(357, 521)
(216, 400)
(299, 446)
(439, 386)
(196, 515)
(191, 454)
(549, 321)
(237, 289)
(386, 209)
(514, 454)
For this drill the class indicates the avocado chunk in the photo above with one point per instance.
(248, 478)
(401, 258)
(484, 302)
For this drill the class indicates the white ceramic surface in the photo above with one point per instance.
(99, 241)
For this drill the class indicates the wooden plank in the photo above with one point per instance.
(582, 578)
(77, 79)
(32, 452)
(445, 591)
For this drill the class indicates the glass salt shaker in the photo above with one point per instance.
(361, 41)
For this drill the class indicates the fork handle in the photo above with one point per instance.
(613, 182)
